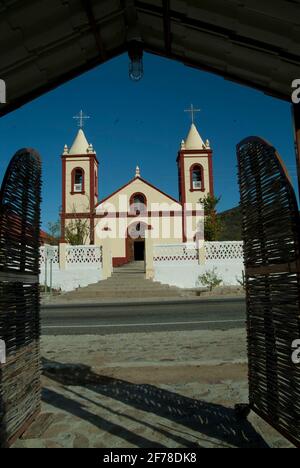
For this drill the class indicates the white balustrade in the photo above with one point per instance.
(176, 253)
(224, 250)
(54, 249)
(84, 255)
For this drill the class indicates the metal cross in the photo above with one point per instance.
(193, 111)
(81, 118)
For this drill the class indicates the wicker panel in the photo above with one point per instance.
(19, 293)
(271, 236)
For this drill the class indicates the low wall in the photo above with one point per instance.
(83, 266)
(71, 279)
(180, 265)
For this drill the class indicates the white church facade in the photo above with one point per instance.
(138, 215)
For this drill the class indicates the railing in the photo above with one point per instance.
(224, 250)
(76, 256)
(175, 253)
(55, 259)
(219, 251)
(84, 255)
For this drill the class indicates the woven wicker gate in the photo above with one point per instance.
(19, 294)
(271, 235)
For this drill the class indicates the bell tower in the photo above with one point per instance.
(79, 184)
(195, 168)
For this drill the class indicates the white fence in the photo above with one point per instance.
(224, 251)
(176, 253)
(83, 266)
(180, 265)
(84, 256)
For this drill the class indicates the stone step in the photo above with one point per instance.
(128, 282)
(111, 287)
(121, 294)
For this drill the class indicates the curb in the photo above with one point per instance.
(90, 305)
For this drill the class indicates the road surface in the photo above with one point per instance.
(134, 318)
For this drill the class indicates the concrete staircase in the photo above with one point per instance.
(127, 282)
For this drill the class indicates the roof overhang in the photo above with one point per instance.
(46, 43)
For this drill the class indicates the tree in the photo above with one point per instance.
(77, 232)
(54, 232)
(212, 224)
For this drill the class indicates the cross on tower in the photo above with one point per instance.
(193, 111)
(81, 118)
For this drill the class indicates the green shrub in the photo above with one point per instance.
(210, 279)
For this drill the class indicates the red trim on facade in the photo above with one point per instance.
(195, 153)
(119, 262)
(126, 215)
(75, 157)
(92, 200)
(77, 216)
(180, 161)
(96, 185)
(62, 221)
(149, 214)
(211, 177)
(192, 168)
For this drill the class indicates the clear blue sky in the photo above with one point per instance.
(143, 123)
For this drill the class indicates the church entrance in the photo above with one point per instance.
(135, 242)
(139, 250)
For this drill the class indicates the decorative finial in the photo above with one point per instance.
(90, 149)
(66, 149)
(183, 145)
(193, 111)
(208, 144)
(137, 172)
(81, 117)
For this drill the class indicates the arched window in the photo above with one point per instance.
(138, 204)
(78, 180)
(197, 178)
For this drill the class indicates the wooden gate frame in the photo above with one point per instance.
(273, 323)
(20, 387)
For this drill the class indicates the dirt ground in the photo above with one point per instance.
(169, 390)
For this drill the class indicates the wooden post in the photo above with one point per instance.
(296, 114)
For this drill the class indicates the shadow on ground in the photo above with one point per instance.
(209, 420)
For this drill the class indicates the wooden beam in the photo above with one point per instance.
(167, 26)
(296, 114)
(293, 267)
(87, 5)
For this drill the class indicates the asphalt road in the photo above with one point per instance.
(139, 318)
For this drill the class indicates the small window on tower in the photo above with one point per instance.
(78, 181)
(197, 178)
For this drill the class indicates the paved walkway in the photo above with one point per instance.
(158, 390)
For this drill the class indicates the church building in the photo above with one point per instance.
(137, 213)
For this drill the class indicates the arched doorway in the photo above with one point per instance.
(136, 242)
